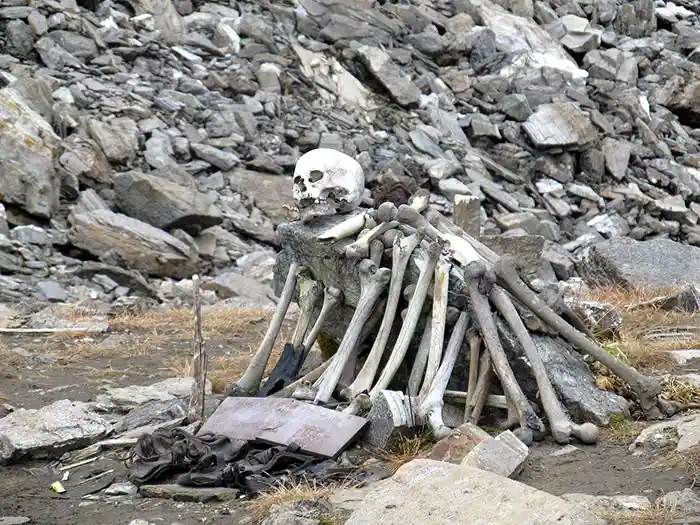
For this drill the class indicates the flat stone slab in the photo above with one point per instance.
(420, 491)
(626, 262)
(503, 455)
(50, 431)
(127, 398)
(197, 494)
(684, 432)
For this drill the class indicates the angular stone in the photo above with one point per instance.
(27, 175)
(77, 45)
(271, 192)
(128, 398)
(14, 520)
(196, 494)
(561, 124)
(516, 106)
(685, 501)
(526, 221)
(636, 264)
(232, 284)
(114, 237)
(617, 156)
(503, 455)
(390, 418)
(50, 431)
(396, 82)
(607, 504)
(117, 138)
(51, 291)
(165, 204)
(455, 447)
(467, 214)
(419, 491)
(214, 156)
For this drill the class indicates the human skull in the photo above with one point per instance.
(327, 182)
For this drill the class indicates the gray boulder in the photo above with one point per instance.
(164, 204)
(118, 239)
(655, 263)
(27, 175)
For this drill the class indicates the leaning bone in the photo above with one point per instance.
(349, 227)
(360, 248)
(332, 297)
(310, 292)
(421, 359)
(474, 351)
(376, 251)
(646, 388)
(477, 401)
(529, 422)
(446, 226)
(373, 280)
(439, 319)
(413, 218)
(560, 424)
(402, 250)
(249, 383)
(420, 200)
(431, 408)
(408, 326)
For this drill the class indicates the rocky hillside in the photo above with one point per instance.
(144, 141)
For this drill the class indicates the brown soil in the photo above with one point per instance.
(38, 370)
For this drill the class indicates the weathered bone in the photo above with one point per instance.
(420, 200)
(421, 360)
(477, 401)
(310, 292)
(360, 248)
(349, 227)
(474, 351)
(529, 422)
(560, 424)
(376, 251)
(403, 248)
(386, 212)
(431, 408)
(249, 383)
(332, 297)
(646, 388)
(373, 280)
(408, 327)
(411, 217)
(439, 319)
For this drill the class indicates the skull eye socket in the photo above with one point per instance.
(315, 175)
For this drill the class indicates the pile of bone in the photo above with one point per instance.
(490, 286)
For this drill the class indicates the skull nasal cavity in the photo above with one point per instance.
(315, 175)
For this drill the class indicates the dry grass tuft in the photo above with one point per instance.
(654, 515)
(621, 430)
(407, 449)
(639, 315)
(676, 389)
(286, 493)
(688, 459)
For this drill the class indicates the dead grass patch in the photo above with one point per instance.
(688, 459)
(406, 449)
(621, 430)
(286, 493)
(654, 515)
(639, 316)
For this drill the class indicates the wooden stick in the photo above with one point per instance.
(195, 411)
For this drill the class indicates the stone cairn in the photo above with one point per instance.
(470, 286)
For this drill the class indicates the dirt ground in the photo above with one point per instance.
(141, 349)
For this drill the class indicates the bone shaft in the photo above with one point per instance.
(329, 304)
(421, 360)
(478, 400)
(311, 376)
(437, 337)
(250, 382)
(474, 351)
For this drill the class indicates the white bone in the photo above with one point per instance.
(419, 363)
(310, 292)
(349, 227)
(437, 337)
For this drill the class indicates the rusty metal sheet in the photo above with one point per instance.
(280, 421)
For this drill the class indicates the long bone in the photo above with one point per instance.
(349, 227)
(376, 251)
(529, 422)
(373, 281)
(474, 351)
(646, 388)
(360, 248)
(249, 383)
(402, 250)
(332, 297)
(560, 424)
(421, 360)
(477, 401)
(438, 320)
(310, 292)
(430, 409)
(408, 327)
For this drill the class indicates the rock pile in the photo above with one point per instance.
(156, 139)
